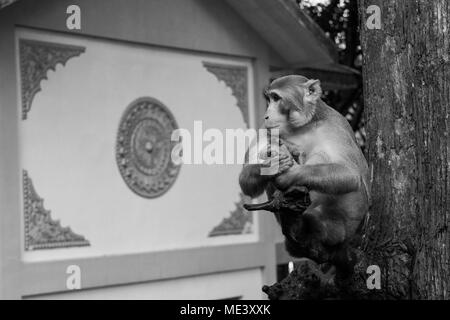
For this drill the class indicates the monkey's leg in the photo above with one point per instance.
(333, 238)
(327, 224)
(344, 258)
(303, 235)
(316, 234)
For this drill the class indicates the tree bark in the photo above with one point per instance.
(406, 75)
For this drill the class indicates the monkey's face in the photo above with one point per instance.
(278, 112)
(291, 103)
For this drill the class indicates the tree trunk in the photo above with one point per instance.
(406, 74)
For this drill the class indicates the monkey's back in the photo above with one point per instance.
(341, 147)
(339, 130)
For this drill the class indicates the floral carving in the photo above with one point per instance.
(36, 58)
(41, 231)
(235, 77)
(240, 221)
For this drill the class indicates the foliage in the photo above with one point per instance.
(339, 20)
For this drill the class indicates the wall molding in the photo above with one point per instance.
(36, 58)
(236, 78)
(45, 277)
(41, 231)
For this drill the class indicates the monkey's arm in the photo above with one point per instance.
(331, 178)
(251, 181)
(321, 174)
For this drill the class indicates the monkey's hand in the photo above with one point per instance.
(279, 164)
(292, 148)
(288, 178)
(285, 162)
(285, 152)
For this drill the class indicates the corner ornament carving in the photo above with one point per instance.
(236, 78)
(36, 58)
(239, 222)
(41, 231)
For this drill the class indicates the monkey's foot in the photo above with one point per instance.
(307, 282)
(311, 280)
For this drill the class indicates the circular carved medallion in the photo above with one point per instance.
(144, 148)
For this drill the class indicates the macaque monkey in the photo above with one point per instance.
(318, 151)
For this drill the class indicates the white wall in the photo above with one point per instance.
(68, 148)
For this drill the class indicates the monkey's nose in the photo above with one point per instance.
(267, 118)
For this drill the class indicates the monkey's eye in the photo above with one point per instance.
(275, 97)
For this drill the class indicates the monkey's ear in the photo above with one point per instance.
(313, 89)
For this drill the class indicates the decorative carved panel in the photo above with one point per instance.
(41, 231)
(240, 221)
(235, 77)
(36, 58)
(144, 148)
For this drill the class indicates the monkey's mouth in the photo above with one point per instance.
(272, 127)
